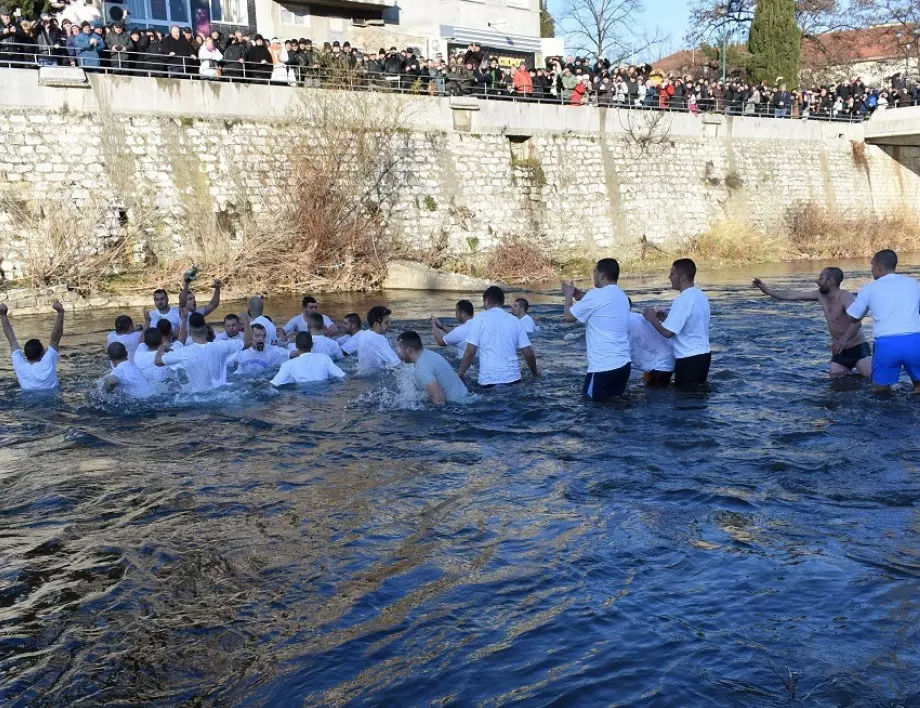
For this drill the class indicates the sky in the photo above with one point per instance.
(670, 16)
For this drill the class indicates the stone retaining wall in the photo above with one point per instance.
(469, 179)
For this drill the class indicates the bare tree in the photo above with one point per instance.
(902, 18)
(606, 28)
(710, 18)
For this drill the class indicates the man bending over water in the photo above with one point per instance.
(432, 372)
(848, 352)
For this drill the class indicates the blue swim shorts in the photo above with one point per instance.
(891, 353)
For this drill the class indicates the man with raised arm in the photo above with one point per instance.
(496, 337)
(605, 313)
(35, 367)
(455, 337)
(432, 372)
(894, 301)
(688, 324)
(854, 352)
(188, 302)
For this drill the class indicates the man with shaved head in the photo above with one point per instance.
(849, 350)
(257, 316)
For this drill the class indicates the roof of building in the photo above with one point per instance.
(843, 47)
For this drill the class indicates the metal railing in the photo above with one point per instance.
(358, 78)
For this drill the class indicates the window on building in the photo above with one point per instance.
(298, 15)
(158, 12)
(230, 12)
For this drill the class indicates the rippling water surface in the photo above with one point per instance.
(745, 546)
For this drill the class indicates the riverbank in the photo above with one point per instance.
(414, 277)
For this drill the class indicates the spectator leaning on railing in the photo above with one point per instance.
(78, 37)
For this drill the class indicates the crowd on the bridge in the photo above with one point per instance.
(77, 36)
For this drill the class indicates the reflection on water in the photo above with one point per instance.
(354, 545)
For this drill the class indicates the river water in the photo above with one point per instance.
(748, 545)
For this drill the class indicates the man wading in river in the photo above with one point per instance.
(605, 313)
(848, 352)
(688, 323)
(894, 301)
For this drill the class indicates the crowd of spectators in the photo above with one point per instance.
(78, 37)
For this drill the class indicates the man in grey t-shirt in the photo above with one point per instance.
(432, 371)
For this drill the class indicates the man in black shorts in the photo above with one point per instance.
(854, 353)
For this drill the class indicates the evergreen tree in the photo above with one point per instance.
(775, 43)
(547, 23)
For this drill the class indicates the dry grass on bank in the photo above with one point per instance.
(516, 261)
(819, 232)
(734, 242)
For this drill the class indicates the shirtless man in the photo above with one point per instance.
(854, 353)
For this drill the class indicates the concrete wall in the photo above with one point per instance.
(580, 181)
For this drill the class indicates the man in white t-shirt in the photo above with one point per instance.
(374, 350)
(301, 322)
(35, 367)
(204, 362)
(687, 324)
(261, 356)
(431, 372)
(256, 311)
(126, 333)
(894, 301)
(307, 367)
(162, 310)
(232, 328)
(126, 378)
(189, 302)
(496, 337)
(605, 313)
(519, 308)
(650, 352)
(455, 337)
(146, 354)
(351, 327)
(321, 343)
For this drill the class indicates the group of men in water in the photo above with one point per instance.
(177, 345)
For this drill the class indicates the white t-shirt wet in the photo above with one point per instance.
(530, 327)
(350, 346)
(307, 368)
(894, 301)
(457, 337)
(375, 352)
(252, 361)
(499, 335)
(324, 345)
(431, 366)
(132, 382)
(605, 314)
(648, 350)
(205, 365)
(298, 324)
(40, 376)
(223, 336)
(271, 332)
(131, 341)
(172, 316)
(689, 321)
(145, 359)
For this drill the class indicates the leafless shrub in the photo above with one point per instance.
(516, 260)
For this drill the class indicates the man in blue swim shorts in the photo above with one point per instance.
(894, 301)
